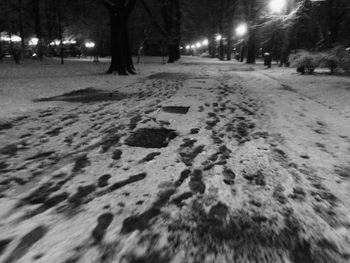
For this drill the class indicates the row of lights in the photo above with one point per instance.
(87, 44)
(65, 42)
(276, 6)
(241, 30)
(12, 38)
(204, 43)
(35, 41)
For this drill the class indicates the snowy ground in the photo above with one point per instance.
(201, 161)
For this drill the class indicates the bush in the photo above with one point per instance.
(337, 58)
(344, 58)
(304, 61)
(329, 61)
(345, 63)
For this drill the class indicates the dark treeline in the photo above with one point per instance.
(121, 28)
(302, 24)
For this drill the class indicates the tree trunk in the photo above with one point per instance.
(38, 30)
(178, 17)
(229, 44)
(173, 51)
(286, 47)
(251, 47)
(242, 52)
(121, 62)
(50, 17)
(171, 14)
(60, 31)
(250, 13)
(1, 55)
(221, 30)
(212, 48)
(140, 49)
(20, 22)
(229, 50)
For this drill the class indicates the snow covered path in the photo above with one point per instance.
(196, 162)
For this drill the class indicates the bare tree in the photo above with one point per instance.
(251, 16)
(170, 27)
(36, 4)
(119, 12)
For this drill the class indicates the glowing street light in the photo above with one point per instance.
(218, 37)
(13, 38)
(241, 30)
(4, 36)
(193, 47)
(188, 47)
(198, 45)
(277, 6)
(205, 42)
(33, 41)
(89, 44)
(55, 43)
(69, 41)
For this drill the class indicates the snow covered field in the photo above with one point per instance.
(200, 161)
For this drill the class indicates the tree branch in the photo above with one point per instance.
(153, 18)
(129, 6)
(108, 3)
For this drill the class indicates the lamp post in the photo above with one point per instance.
(241, 31)
(220, 39)
(33, 41)
(277, 8)
(91, 46)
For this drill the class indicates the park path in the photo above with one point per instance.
(203, 163)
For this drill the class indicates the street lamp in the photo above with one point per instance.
(34, 41)
(276, 6)
(15, 38)
(205, 42)
(89, 44)
(218, 37)
(241, 30)
(198, 45)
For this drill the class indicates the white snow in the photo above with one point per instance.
(285, 137)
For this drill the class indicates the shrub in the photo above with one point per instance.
(342, 56)
(329, 61)
(304, 61)
(345, 63)
(337, 58)
(205, 54)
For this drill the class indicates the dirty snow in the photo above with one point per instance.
(200, 161)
